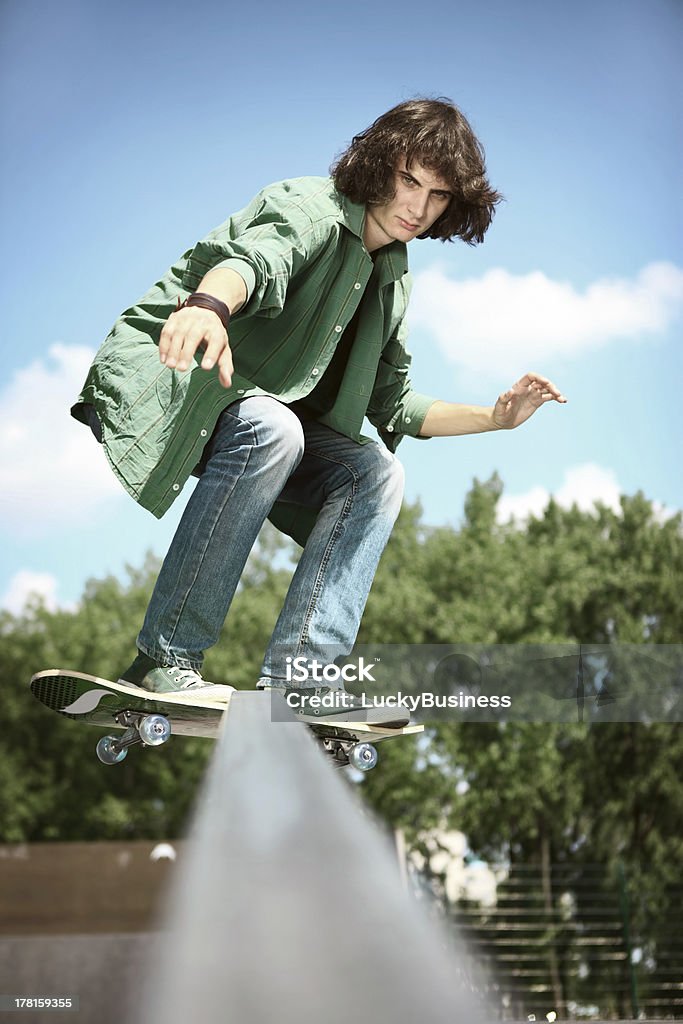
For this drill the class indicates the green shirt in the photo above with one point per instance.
(299, 248)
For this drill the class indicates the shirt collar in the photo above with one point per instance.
(391, 261)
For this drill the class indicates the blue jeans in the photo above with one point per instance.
(261, 452)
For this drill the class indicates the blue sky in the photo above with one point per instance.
(129, 131)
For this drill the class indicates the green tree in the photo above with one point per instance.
(52, 787)
(548, 794)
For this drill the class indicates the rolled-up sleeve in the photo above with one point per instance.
(267, 243)
(244, 269)
(395, 408)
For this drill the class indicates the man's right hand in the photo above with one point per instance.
(194, 327)
(189, 329)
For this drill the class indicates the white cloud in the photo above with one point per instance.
(501, 321)
(53, 470)
(26, 583)
(582, 486)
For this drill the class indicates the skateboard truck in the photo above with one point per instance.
(149, 730)
(362, 756)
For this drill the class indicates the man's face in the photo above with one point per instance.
(421, 197)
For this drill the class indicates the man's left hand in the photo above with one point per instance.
(530, 392)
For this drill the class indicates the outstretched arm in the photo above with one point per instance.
(514, 407)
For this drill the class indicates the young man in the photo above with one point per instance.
(252, 364)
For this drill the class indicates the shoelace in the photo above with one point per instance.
(186, 677)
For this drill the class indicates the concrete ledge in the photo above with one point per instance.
(288, 905)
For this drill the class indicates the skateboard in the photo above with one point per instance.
(149, 720)
(354, 742)
(144, 718)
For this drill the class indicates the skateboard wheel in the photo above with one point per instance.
(363, 756)
(108, 753)
(154, 730)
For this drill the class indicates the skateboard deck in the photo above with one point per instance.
(144, 717)
(148, 719)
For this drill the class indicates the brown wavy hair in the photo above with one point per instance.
(437, 134)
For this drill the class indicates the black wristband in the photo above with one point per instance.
(207, 301)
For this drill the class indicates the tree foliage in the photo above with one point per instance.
(603, 793)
